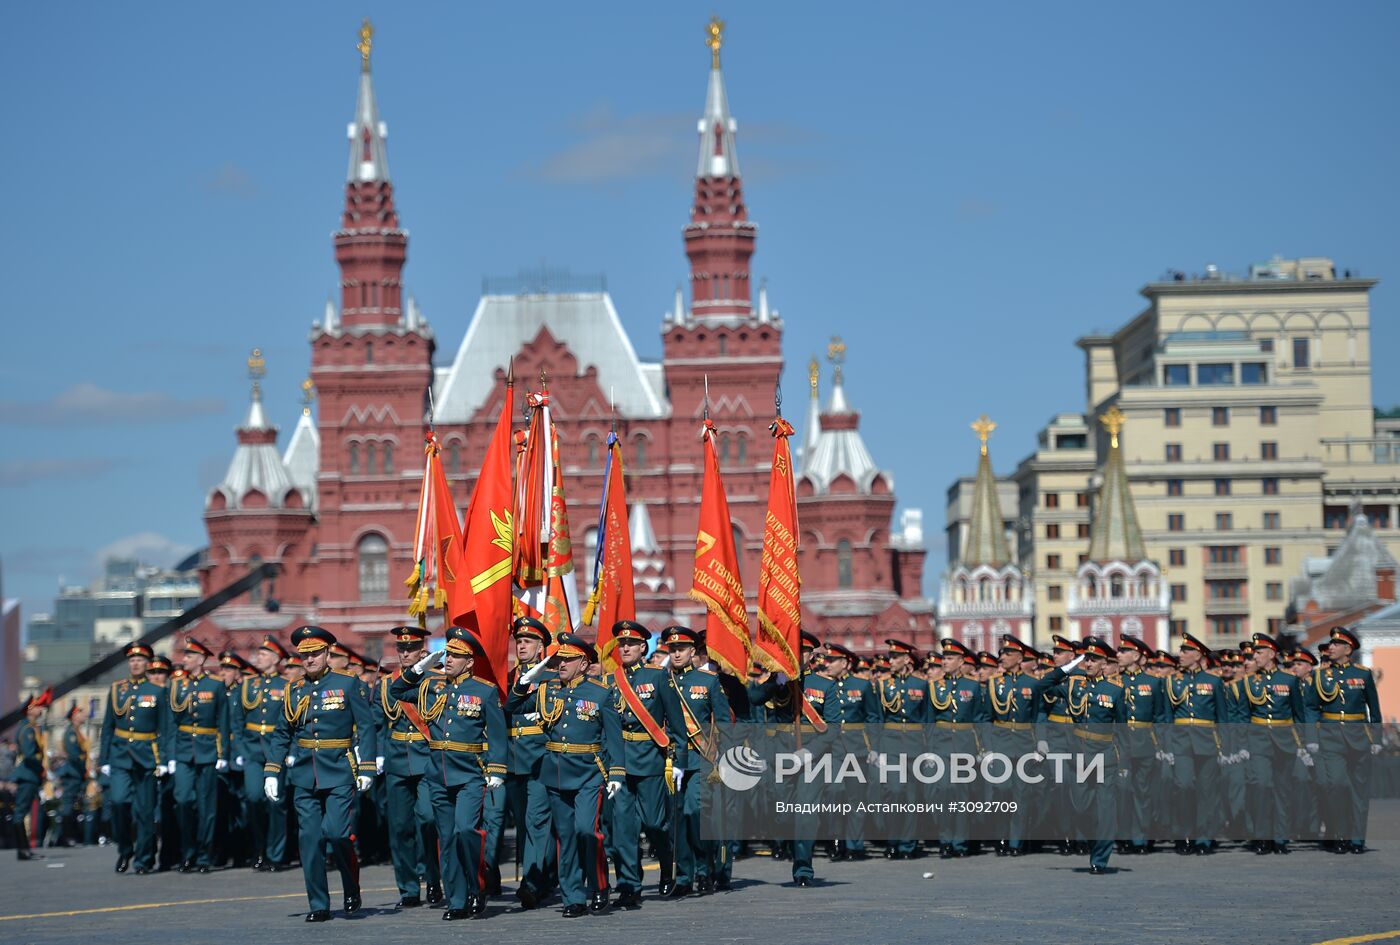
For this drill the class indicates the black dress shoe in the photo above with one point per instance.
(666, 887)
(1016, 851)
(122, 863)
(703, 886)
(1203, 850)
(1281, 848)
(410, 902)
(203, 869)
(320, 915)
(682, 890)
(274, 867)
(804, 881)
(1356, 848)
(1183, 848)
(1263, 848)
(1098, 871)
(858, 855)
(352, 903)
(629, 899)
(435, 894)
(452, 915)
(142, 870)
(529, 899)
(575, 911)
(599, 904)
(722, 884)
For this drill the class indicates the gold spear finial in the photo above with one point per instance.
(1113, 421)
(308, 396)
(836, 354)
(814, 373)
(366, 42)
(714, 38)
(257, 367)
(983, 427)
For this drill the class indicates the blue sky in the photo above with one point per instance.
(959, 191)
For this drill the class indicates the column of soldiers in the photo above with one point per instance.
(588, 766)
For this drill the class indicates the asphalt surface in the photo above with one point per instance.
(72, 896)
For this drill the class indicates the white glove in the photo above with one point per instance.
(532, 717)
(160, 770)
(270, 788)
(1171, 758)
(1305, 757)
(1073, 663)
(870, 758)
(107, 770)
(422, 665)
(378, 764)
(238, 761)
(170, 766)
(677, 776)
(665, 662)
(1222, 760)
(781, 679)
(1311, 746)
(363, 783)
(1376, 748)
(494, 781)
(1122, 772)
(534, 672)
(1243, 754)
(221, 765)
(613, 788)
(1042, 748)
(1161, 755)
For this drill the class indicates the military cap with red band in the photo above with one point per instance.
(571, 646)
(899, 646)
(137, 649)
(409, 635)
(463, 642)
(310, 639)
(1093, 646)
(530, 627)
(679, 636)
(836, 649)
(1133, 643)
(1302, 656)
(159, 664)
(1343, 635)
(630, 630)
(194, 646)
(810, 641)
(1065, 644)
(1189, 642)
(1009, 642)
(952, 647)
(273, 646)
(1264, 641)
(42, 701)
(229, 660)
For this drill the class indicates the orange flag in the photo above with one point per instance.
(437, 540)
(716, 580)
(484, 604)
(779, 586)
(545, 581)
(613, 596)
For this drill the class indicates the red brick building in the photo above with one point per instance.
(336, 509)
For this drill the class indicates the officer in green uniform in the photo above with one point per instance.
(467, 758)
(524, 793)
(1146, 710)
(30, 770)
(1096, 702)
(1235, 777)
(132, 755)
(326, 716)
(256, 707)
(860, 707)
(654, 750)
(231, 820)
(904, 712)
(703, 702)
(960, 704)
(1307, 797)
(1197, 699)
(167, 820)
(1272, 743)
(1013, 699)
(583, 752)
(73, 775)
(413, 836)
(1347, 708)
(199, 752)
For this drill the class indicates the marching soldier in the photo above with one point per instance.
(904, 708)
(30, 770)
(1347, 708)
(132, 757)
(583, 751)
(1054, 715)
(1197, 701)
(467, 742)
(1096, 703)
(959, 703)
(703, 703)
(168, 820)
(257, 704)
(524, 792)
(860, 706)
(413, 835)
(325, 719)
(1146, 709)
(199, 753)
(1275, 711)
(231, 825)
(1014, 698)
(73, 775)
(654, 748)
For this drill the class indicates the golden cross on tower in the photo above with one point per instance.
(366, 42)
(714, 38)
(983, 427)
(836, 354)
(257, 367)
(1113, 421)
(308, 396)
(814, 373)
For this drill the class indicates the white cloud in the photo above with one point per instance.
(88, 404)
(23, 472)
(146, 547)
(232, 180)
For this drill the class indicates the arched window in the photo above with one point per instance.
(724, 447)
(255, 594)
(743, 450)
(354, 458)
(454, 457)
(723, 345)
(1116, 587)
(388, 459)
(369, 352)
(373, 552)
(592, 443)
(738, 542)
(371, 457)
(639, 451)
(843, 563)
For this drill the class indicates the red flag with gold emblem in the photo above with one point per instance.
(715, 582)
(485, 606)
(437, 540)
(545, 581)
(779, 585)
(613, 596)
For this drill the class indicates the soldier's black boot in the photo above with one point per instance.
(435, 894)
(320, 915)
(352, 902)
(527, 896)
(572, 911)
(598, 903)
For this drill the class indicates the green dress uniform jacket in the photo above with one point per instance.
(642, 757)
(253, 713)
(134, 729)
(1343, 701)
(323, 725)
(704, 700)
(465, 722)
(582, 729)
(29, 756)
(198, 710)
(74, 768)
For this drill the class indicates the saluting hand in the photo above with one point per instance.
(431, 659)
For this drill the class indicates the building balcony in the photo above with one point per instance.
(1378, 450)
(1226, 606)
(1222, 572)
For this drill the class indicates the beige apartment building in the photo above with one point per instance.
(1250, 434)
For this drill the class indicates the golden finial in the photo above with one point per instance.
(714, 38)
(308, 396)
(366, 42)
(836, 354)
(257, 367)
(1113, 421)
(814, 373)
(983, 427)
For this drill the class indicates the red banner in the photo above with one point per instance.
(779, 585)
(716, 581)
(613, 592)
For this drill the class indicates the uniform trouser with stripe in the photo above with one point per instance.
(413, 833)
(1137, 814)
(642, 804)
(324, 816)
(267, 820)
(1196, 786)
(1346, 780)
(1095, 802)
(169, 829)
(26, 793)
(693, 852)
(70, 807)
(578, 831)
(133, 798)
(460, 811)
(197, 799)
(1271, 757)
(528, 801)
